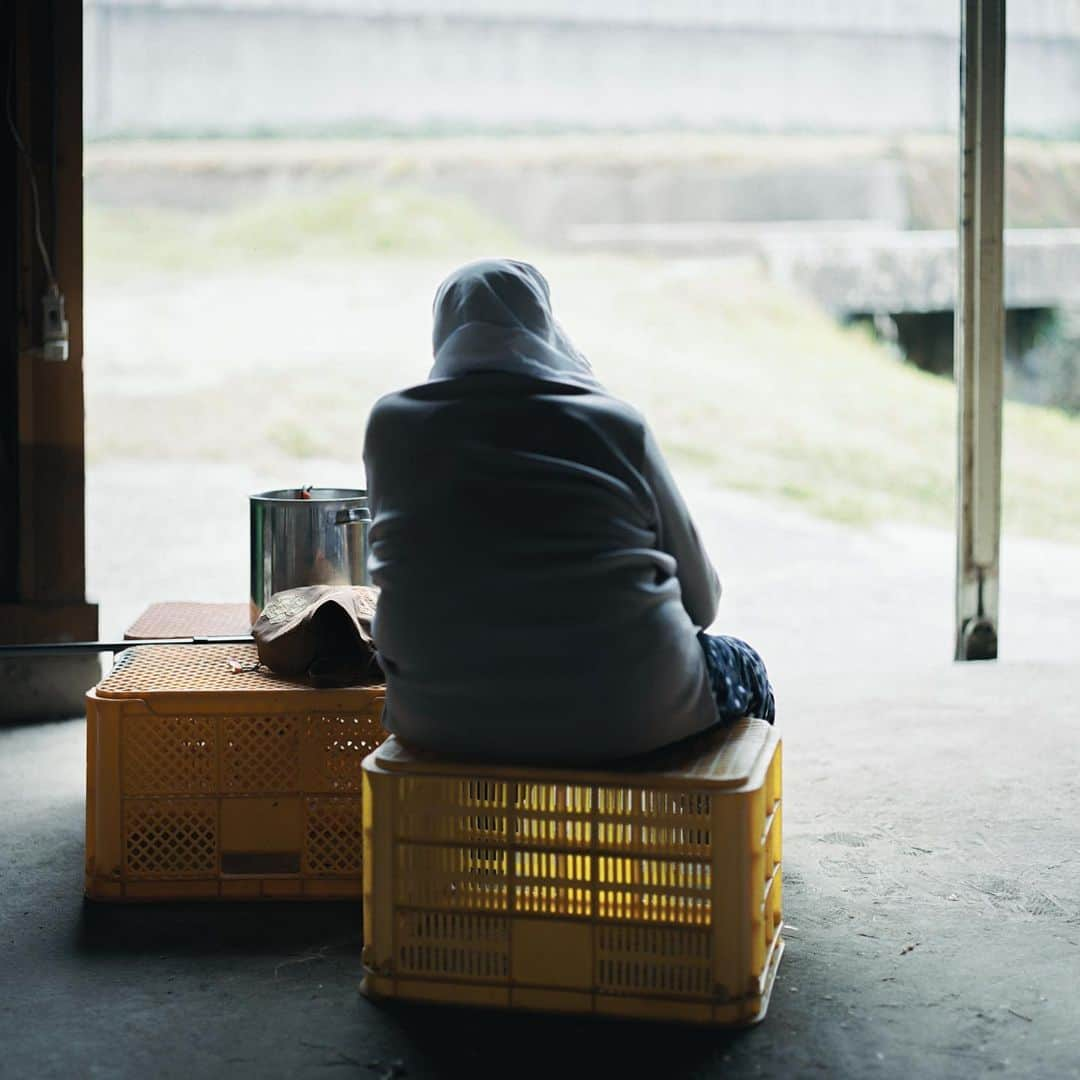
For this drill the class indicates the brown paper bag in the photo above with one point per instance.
(321, 633)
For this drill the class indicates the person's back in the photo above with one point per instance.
(542, 586)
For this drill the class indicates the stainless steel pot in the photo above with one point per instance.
(307, 536)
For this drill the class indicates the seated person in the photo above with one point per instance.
(543, 589)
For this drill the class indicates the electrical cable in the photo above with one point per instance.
(29, 161)
(54, 113)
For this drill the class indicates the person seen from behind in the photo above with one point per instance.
(544, 593)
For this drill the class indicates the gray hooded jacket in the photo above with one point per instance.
(542, 582)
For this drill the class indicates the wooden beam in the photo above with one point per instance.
(9, 276)
(43, 575)
(980, 326)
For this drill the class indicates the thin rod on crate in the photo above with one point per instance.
(59, 648)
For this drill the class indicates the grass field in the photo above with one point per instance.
(267, 333)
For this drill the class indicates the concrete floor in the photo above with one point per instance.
(932, 850)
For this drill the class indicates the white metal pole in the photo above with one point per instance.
(980, 326)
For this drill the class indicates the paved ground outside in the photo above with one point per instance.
(932, 881)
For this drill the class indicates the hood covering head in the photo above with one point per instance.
(495, 315)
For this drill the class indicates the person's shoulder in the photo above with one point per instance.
(618, 410)
(399, 402)
(391, 418)
(623, 422)
(397, 398)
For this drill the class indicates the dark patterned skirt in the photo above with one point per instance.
(739, 681)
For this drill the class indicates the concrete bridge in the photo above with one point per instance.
(854, 267)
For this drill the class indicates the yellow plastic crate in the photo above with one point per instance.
(204, 784)
(652, 892)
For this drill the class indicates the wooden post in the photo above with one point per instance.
(42, 481)
(980, 326)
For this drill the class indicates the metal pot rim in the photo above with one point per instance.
(315, 495)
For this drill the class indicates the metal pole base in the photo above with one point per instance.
(978, 641)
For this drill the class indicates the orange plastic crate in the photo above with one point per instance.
(187, 619)
(652, 891)
(204, 784)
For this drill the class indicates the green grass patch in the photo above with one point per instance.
(349, 222)
(269, 332)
